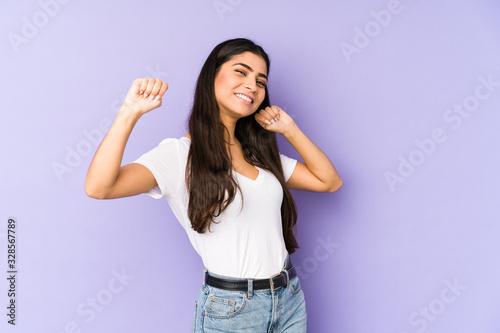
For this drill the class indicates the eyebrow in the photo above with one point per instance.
(250, 69)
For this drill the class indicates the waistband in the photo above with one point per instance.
(274, 282)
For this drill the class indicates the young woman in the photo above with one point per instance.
(228, 186)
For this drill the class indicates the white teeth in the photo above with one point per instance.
(244, 97)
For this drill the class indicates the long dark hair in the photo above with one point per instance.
(208, 172)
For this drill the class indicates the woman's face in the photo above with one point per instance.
(240, 85)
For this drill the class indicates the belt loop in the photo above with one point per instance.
(287, 278)
(204, 277)
(250, 288)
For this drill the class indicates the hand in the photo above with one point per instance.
(145, 95)
(274, 119)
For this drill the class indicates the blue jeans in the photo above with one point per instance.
(260, 311)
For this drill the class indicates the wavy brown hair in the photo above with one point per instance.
(208, 171)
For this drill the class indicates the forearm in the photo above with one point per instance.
(105, 165)
(316, 161)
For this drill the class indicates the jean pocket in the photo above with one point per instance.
(224, 304)
(294, 285)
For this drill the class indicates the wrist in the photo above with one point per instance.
(291, 130)
(128, 115)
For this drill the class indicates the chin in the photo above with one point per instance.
(244, 112)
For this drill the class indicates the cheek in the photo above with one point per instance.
(219, 86)
(222, 81)
(261, 97)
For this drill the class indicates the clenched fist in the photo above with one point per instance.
(145, 95)
(274, 119)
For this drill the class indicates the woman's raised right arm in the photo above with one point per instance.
(106, 178)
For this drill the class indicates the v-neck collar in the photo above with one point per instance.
(252, 181)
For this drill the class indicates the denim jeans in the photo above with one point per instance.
(260, 311)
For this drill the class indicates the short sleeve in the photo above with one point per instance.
(288, 164)
(165, 163)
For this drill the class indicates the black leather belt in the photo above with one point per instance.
(274, 282)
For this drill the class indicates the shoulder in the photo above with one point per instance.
(184, 139)
(168, 148)
(182, 142)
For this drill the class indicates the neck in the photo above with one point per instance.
(230, 124)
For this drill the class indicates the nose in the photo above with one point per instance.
(250, 85)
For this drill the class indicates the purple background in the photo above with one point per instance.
(421, 255)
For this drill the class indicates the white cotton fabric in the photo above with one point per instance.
(246, 244)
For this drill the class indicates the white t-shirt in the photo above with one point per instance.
(246, 244)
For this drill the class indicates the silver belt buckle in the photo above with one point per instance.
(271, 283)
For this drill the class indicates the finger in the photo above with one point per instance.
(270, 114)
(262, 120)
(259, 121)
(276, 110)
(273, 111)
(143, 84)
(161, 92)
(155, 90)
(151, 83)
(157, 87)
(164, 87)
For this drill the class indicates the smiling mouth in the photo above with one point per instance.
(246, 98)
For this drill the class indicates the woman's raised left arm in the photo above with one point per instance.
(317, 174)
